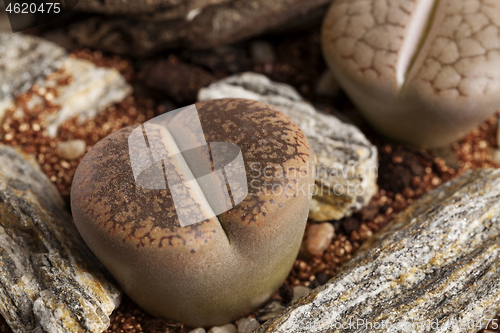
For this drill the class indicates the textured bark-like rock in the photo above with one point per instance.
(88, 89)
(436, 264)
(346, 162)
(191, 23)
(49, 279)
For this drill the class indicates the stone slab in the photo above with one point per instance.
(434, 268)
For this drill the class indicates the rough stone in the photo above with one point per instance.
(319, 236)
(437, 262)
(71, 149)
(50, 280)
(193, 24)
(247, 325)
(27, 60)
(346, 162)
(24, 60)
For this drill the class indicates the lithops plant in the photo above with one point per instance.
(424, 72)
(138, 194)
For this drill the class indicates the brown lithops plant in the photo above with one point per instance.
(424, 72)
(213, 271)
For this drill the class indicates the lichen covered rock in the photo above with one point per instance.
(50, 280)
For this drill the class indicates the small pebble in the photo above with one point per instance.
(247, 325)
(262, 52)
(71, 150)
(319, 237)
(299, 291)
(229, 328)
(198, 330)
(327, 85)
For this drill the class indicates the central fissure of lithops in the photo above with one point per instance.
(184, 171)
(418, 30)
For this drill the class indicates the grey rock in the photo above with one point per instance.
(50, 281)
(437, 263)
(26, 60)
(193, 24)
(247, 325)
(23, 60)
(346, 161)
(92, 90)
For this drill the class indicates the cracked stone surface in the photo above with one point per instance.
(424, 72)
(437, 262)
(49, 279)
(27, 60)
(346, 162)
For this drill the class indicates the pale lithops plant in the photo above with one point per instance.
(199, 271)
(424, 72)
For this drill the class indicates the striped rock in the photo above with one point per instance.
(434, 268)
(346, 162)
(87, 89)
(49, 279)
